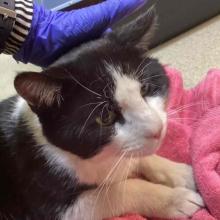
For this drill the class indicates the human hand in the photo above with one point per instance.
(54, 33)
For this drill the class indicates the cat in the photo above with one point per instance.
(79, 140)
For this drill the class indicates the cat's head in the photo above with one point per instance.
(105, 94)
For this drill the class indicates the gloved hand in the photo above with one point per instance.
(54, 33)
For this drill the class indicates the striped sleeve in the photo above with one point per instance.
(21, 28)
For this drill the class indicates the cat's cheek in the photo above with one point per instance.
(134, 142)
(159, 104)
(135, 146)
(149, 149)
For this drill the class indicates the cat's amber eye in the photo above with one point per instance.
(108, 120)
(144, 90)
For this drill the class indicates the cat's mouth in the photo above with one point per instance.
(148, 146)
(145, 150)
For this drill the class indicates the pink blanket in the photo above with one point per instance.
(194, 137)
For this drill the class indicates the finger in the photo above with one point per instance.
(95, 19)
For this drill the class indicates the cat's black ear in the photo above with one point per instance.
(137, 32)
(38, 89)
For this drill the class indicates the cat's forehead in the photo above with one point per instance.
(95, 54)
(99, 64)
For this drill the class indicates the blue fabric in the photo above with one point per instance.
(54, 33)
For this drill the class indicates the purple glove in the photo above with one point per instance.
(54, 33)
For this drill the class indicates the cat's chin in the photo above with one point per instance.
(146, 150)
(141, 152)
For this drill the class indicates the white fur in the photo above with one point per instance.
(17, 109)
(158, 104)
(143, 117)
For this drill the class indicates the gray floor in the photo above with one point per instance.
(193, 53)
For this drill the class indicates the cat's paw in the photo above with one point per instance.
(183, 203)
(180, 175)
(166, 172)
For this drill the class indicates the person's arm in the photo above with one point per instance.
(21, 25)
(40, 36)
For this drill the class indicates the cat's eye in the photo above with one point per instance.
(108, 120)
(144, 90)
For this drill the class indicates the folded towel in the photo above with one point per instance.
(193, 137)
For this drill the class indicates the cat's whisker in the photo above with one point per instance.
(152, 84)
(104, 92)
(121, 183)
(126, 177)
(109, 204)
(101, 115)
(92, 103)
(141, 73)
(111, 90)
(138, 167)
(110, 181)
(96, 80)
(192, 119)
(187, 118)
(84, 125)
(106, 181)
(108, 84)
(113, 168)
(183, 107)
(151, 77)
(112, 177)
(137, 71)
(99, 75)
(79, 83)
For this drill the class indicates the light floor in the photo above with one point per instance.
(194, 53)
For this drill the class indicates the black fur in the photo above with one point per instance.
(29, 187)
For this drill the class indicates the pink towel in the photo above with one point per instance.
(193, 137)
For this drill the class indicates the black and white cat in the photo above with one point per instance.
(75, 140)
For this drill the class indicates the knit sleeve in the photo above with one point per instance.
(22, 25)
